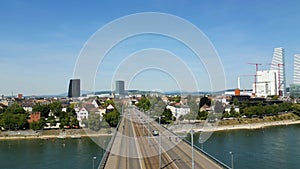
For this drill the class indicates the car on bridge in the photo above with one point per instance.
(155, 133)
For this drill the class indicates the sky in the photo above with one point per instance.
(40, 42)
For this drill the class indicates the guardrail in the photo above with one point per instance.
(202, 151)
(108, 149)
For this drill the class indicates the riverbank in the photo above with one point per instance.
(237, 124)
(248, 126)
(53, 134)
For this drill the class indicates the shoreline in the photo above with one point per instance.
(55, 135)
(250, 126)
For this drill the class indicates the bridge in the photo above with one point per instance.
(134, 146)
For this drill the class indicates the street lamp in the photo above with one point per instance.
(192, 140)
(94, 158)
(231, 154)
(159, 119)
(104, 149)
(201, 142)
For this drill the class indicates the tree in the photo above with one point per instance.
(55, 108)
(218, 108)
(112, 118)
(202, 115)
(94, 121)
(167, 116)
(15, 108)
(177, 99)
(144, 103)
(43, 109)
(74, 122)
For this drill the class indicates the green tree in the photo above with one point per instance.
(144, 103)
(202, 115)
(112, 118)
(56, 108)
(94, 121)
(15, 108)
(43, 109)
(167, 116)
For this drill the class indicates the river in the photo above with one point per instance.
(273, 147)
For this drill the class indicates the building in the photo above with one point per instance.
(74, 88)
(34, 117)
(295, 90)
(120, 87)
(278, 63)
(266, 83)
(179, 111)
(295, 87)
(297, 69)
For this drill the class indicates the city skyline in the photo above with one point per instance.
(40, 42)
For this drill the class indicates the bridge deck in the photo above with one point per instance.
(135, 147)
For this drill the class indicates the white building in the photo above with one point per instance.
(82, 114)
(278, 64)
(266, 83)
(297, 69)
(178, 111)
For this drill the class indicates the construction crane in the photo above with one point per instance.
(279, 82)
(255, 76)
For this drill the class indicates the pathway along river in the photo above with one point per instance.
(273, 147)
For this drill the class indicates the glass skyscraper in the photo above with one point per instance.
(74, 88)
(297, 69)
(278, 64)
(120, 87)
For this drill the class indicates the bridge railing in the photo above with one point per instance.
(202, 151)
(108, 148)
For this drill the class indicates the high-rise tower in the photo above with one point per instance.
(74, 88)
(278, 64)
(297, 69)
(120, 87)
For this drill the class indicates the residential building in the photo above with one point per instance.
(178, 111)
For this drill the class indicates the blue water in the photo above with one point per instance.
(49, 154)
(273, 147)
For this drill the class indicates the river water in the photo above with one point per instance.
(49, 154)
(273, 147)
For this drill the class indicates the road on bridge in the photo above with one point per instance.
(136, 148)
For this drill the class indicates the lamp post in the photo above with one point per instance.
(231, 154)
(148, 127)
(200, 140)
(104, 149)
(192, 140)
(94, 158)
(159, 119)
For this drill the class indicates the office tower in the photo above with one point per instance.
(297, 69)
(278, 64)
(266, 84)
(120, 85)
(74, 88)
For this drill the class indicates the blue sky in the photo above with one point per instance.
(41, 40)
